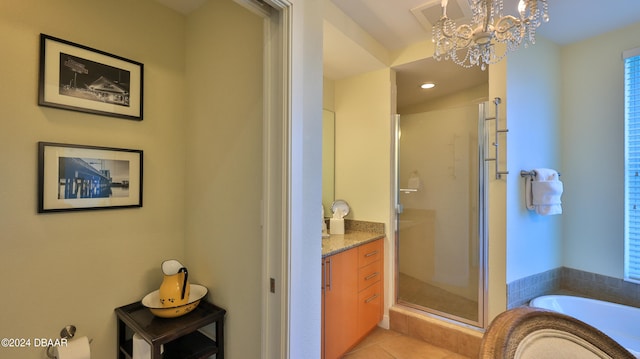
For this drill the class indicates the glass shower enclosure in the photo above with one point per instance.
(440, 212)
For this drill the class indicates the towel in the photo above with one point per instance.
(543, 192)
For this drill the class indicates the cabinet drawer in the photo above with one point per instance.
(369, 253)
(370, 308)
(369, 275)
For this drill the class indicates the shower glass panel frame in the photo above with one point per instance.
(421, 289)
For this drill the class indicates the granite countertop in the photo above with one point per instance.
(356, 233)
(337, 243)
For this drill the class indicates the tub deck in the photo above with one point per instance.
(620, 322)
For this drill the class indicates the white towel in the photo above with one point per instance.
(543, 192)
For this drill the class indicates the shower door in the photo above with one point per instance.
(440, 231)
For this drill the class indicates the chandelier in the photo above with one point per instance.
(475, 44)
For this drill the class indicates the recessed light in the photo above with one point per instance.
(428, 85)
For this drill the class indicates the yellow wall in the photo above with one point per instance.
(593, 236)
(474, 95)
(363, 125)
(75, 268)
(363, 108)
(497, 196)
(224, 162)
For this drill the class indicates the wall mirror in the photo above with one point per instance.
(328, 160)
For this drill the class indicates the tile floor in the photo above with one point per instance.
(417, 292)
(389, 344)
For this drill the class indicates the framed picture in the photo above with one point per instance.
(76, 177)
(79, 78)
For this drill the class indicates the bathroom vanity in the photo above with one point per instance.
(352, 289)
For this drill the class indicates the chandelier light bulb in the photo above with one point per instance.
(522, 7)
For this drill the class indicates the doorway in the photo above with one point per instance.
(441, 206)
(276, 15)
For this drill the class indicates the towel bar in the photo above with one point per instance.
(495, 144)
(531, 173)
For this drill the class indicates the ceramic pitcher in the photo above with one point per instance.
(174, 290)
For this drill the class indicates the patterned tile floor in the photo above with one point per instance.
(388, 344)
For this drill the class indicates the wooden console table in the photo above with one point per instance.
(179, 336)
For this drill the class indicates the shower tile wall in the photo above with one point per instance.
(572, 281)
(521, 291)
(601, 287)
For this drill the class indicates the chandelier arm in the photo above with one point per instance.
(507, 23)
(533, 7)
(463, 36)
(447, 28)
(510, 28)
(488, 6)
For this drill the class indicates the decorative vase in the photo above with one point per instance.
(174, 290)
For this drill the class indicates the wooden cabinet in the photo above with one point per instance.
(370, 286)
(352, 297)
(180, 337)
(340, 302)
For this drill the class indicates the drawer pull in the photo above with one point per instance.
(371, 254)
(368, 300)
(370, 276)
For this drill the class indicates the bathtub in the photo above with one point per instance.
(620, 322)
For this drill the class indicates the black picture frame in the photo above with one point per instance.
(80, 78)
(77, 177)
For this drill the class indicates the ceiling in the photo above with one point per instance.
(392, 24)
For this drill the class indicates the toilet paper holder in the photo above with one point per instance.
(67, 332)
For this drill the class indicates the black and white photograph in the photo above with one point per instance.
(93, 81)
(79, 78)
(92, 178)
(73, 177)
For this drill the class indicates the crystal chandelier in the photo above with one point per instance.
(475, 44)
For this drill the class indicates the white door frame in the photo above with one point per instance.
(275, 174)
(276, 189)
(292, 175)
